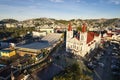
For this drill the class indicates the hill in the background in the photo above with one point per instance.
(4, 21)
(93, 22)
(115, 22)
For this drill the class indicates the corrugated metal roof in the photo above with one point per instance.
(35, 45)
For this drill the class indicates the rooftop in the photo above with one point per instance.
(52, 38)
(45, 42)
(36, 45)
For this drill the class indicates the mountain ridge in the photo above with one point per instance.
(49, 21)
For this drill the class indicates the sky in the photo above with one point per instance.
(59, 9)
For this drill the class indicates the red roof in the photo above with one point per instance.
(90, 37)
(118, 31)
(69, 27)
(96, 34)
(84, 28)
(109, 34)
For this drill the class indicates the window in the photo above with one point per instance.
(81, 48)
(82, 37)
(77, 47)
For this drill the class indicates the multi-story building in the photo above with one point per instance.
(82, 43)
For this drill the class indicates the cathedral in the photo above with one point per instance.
(82, 43)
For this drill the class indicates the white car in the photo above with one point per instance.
(101, 64)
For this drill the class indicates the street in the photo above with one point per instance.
(104, 72)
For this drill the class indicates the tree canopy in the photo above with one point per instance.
(73, 72)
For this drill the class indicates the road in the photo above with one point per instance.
(104, 73)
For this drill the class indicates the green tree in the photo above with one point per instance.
(73, 72)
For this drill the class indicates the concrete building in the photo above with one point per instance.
(47, 42)
(38, 34)
(7, 53)
(83, 42)
(32, 48)
(112, 35)
(10, 25)
(47, 30)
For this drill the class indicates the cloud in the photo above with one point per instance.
(57, 1)
(117, 2)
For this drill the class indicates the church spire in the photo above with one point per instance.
(69, 27)
(84, 28)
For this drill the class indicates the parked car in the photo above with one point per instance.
(115, 67)
(114, 54)
(91, 66)
(101, 64)
(117, 74)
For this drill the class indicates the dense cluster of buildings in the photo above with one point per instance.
(79, 42)
(47, 36)
(33, 49)
(112, 34)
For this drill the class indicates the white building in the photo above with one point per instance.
(112, 35)
(38, 34)
(10, 25)
(47, 30)
(82, 43)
